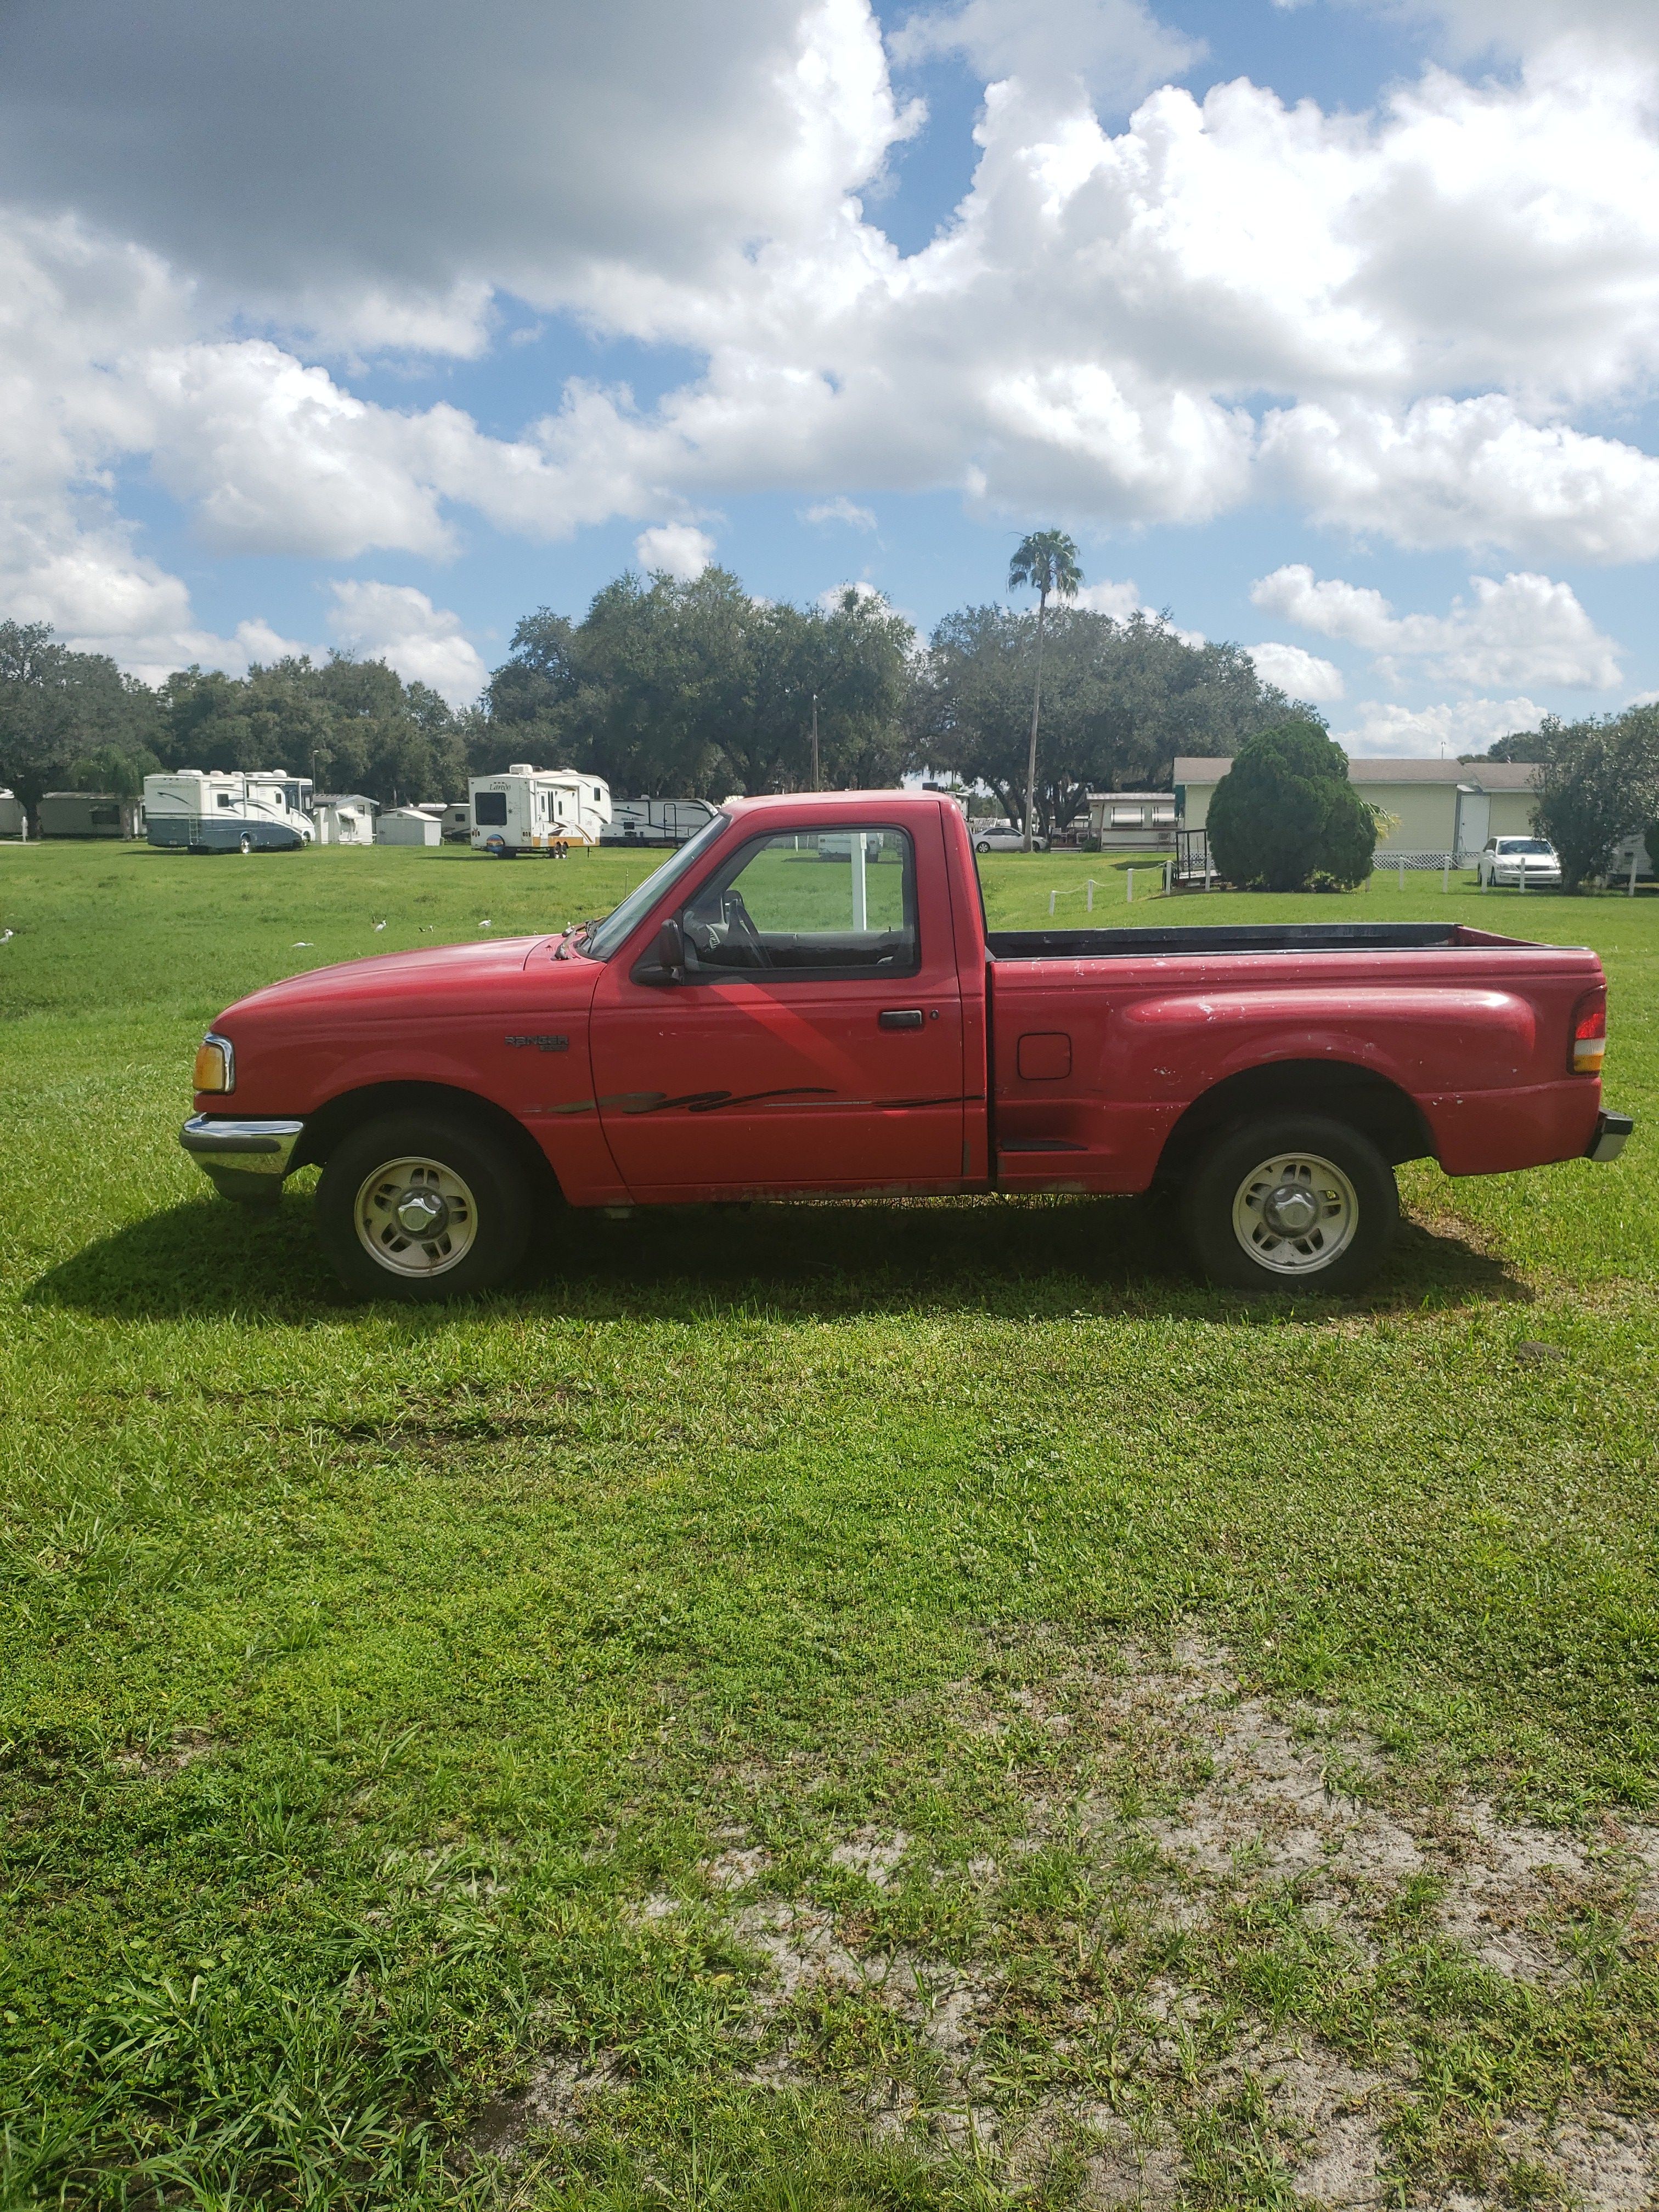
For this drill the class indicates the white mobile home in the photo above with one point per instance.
(529, 810)
(1130, 820)
(89, 814)
(14, 822)
(209, 811)
(1441, 810)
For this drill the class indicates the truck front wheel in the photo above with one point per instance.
(1294, 1203)
(422, 1207)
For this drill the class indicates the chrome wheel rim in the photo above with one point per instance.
(1295, 1213)
(416, 1216)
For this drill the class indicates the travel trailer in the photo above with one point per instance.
(89, 814)
(529, 810)
(207, 811)
(14, 821)
(456, 822)
(657, 821)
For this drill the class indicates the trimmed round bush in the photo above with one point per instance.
(1285, 817)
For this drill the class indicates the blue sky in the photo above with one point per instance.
(1304, 319)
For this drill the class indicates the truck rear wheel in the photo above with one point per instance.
(1294, 1203)
(423, 1206)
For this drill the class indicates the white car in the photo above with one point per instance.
(1508, 860)
(1002, 837)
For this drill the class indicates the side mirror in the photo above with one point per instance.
(671, 950)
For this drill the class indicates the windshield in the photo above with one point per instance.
(1525, 845)
(602, 940)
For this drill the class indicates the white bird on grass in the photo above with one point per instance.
(303, 944)
(379, 925)
(6, 936)
(486, 923)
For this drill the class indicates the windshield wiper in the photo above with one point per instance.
(572, 935)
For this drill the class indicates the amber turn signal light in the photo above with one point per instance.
(215, 1065)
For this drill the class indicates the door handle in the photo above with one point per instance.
(900, 1018)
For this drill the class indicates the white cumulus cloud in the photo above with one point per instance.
(397, 624)
(1389, 731)
(1121, 601)
(1113, 47)
(677, 549)
(841, 509)
(1413, 322)
(1304, 675)
(1449, 472)
(1523, 628)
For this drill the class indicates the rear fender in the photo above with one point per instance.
(1379, 1060)
(1358, 1095)
(1420, 1040)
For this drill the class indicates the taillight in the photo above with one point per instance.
(1590, 1036)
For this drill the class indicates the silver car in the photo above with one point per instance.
(1526, 862)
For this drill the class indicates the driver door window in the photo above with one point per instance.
(834, 903)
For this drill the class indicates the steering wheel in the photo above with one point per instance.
(739, 922)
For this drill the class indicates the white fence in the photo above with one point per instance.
(1422, 861)
(1154, 876)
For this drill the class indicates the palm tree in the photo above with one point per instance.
(1045, 561)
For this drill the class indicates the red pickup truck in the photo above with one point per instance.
(806, 1000)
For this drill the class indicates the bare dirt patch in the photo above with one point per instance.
(154, 1760)
(736, 1868)
(555, 2098)
(872, 1854)
(1203, 1842)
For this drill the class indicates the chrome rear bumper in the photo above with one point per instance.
(246, 1160)
(1611, 1131)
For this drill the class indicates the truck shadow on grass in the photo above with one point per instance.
(1024, 1258)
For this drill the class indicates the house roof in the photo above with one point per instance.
(1486, 776)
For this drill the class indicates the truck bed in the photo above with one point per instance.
(1234, 936)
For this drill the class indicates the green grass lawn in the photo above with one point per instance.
(917, 1706)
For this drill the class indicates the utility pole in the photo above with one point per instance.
(815, 741)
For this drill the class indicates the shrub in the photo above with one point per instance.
(1285, 815)
(1598, 785)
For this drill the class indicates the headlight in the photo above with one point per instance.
(215, 1064)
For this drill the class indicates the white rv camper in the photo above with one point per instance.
(207, 811)
(14, 822)
(529, 810)
(657, 821)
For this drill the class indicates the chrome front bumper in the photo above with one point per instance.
(244, 1160)
(1611, 1131)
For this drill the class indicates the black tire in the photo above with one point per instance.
(486, 1187)
(982, 848)
(1356, 1210)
